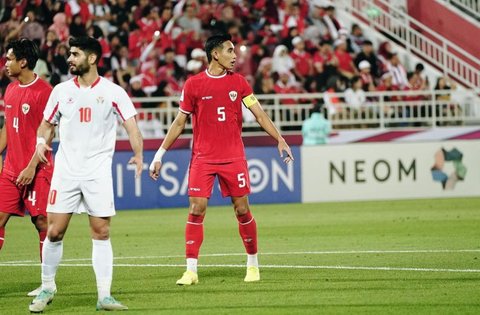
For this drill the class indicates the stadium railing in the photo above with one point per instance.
(381, 110)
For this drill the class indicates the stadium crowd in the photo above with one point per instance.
(150, 47)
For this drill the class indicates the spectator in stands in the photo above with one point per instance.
(120, 13)
(281, 61)
(50, 45)
(399, 75)
(11, 28)
(325, 65)
(136, 90)
(368, 83)
(189, 20)
(355, 96)
(77, 28)
(138, 13)
(41, 67)
(60, 64)
(317, 31)
(315, 130)
(332, 101)
(31, 29)
(421, 79)
(303, 69)
(60, 26)
(384, 51)
(100, 12)
(80, 7)
(293, 19)
(287, 40)
(332, 23)
(356, 39)
(369, 55)
(264, 83)
(346, 67)
(193, 67)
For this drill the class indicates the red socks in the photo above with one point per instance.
(41, 236)
(193, 235)
(248, 231)
(2, 236)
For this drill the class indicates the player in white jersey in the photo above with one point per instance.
(86, 108)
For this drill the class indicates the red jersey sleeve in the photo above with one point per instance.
(187, 99)
(246, 88)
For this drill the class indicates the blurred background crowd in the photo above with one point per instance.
(150, 47)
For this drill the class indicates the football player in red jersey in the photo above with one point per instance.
(214, 100)
(24, 181)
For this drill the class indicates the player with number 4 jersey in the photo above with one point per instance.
(24, 182)
(214, 99)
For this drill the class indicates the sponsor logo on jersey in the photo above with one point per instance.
(194, 189)
(25, 108)
(8, 106)
(70, 100)
(207, 97)
(233, 95)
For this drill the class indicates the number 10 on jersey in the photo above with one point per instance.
(85, 114)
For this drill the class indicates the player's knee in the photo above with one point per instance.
(101, 233)
(240, 209)
(54, 234)
(198, 208)
(40, 222)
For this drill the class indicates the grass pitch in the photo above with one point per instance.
(386, 257)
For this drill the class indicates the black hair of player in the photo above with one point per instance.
(24, 48)
(215, 41)
(87, 44)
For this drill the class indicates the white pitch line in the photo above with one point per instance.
(279, 267)
(408, 251)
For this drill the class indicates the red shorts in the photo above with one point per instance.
(233, 178)
(16, 199)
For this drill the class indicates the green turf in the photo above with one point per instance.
(286, 233)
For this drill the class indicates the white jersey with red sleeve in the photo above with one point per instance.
(215, 104)
(87, 119)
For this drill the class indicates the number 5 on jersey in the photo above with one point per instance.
(221, 113)
(85, 114)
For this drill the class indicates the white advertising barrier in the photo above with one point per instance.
(390, 171)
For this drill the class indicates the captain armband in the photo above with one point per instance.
(249, 100)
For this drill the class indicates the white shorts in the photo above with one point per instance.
(76, 196)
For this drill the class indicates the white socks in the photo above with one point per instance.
(192, 264)
(102, 261)
(252, 260)
(52, 255)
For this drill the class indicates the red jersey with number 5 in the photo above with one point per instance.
(215, 104)
(24, 106)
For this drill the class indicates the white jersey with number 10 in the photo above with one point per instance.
(87, 118)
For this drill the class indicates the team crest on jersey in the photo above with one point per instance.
(100, 100)
(25, 108)
(233, 95)
(70, 100)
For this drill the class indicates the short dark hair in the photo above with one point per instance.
(24, 48)
(87, 44)
(215, 41)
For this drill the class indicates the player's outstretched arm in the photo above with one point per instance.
(45, 131)
(267, 124)
(173, 133)
(136, 141)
